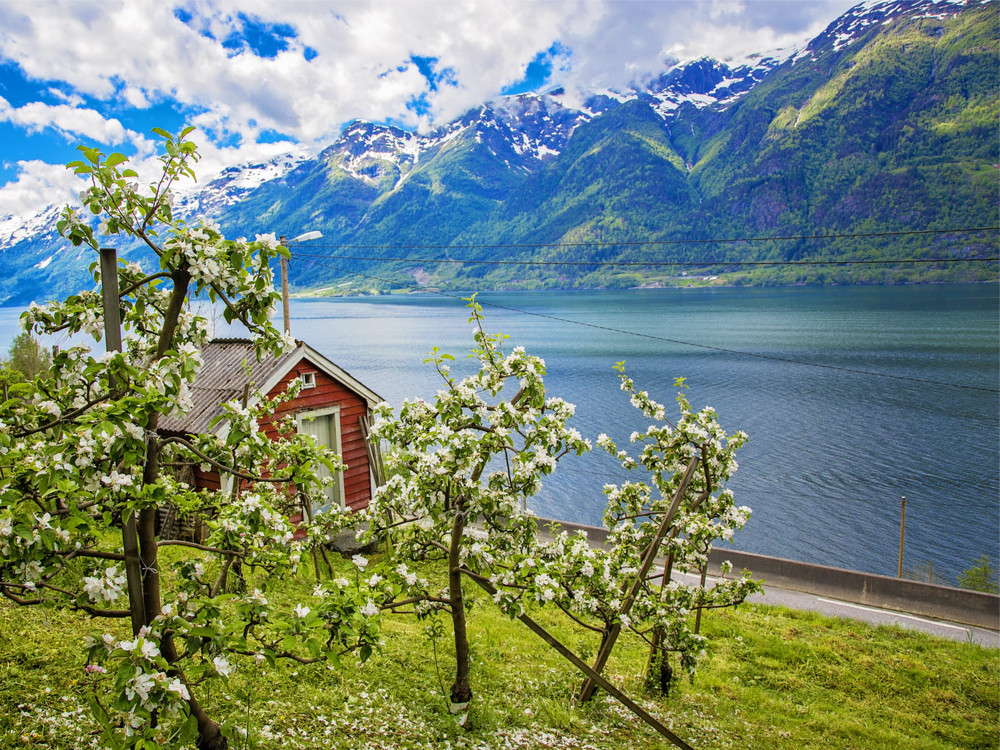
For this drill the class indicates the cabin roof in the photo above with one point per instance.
(229, 365)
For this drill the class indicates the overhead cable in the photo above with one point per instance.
(642, 243)
(646, 263)
(685, 343)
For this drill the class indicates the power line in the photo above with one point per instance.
(689, 343)
(648, 263)
(642, 243)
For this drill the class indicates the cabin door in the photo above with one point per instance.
(324, 426)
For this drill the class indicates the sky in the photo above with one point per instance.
(257, 78)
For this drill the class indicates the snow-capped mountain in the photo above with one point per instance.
(232, 185)
(860, 20)
(696, 146)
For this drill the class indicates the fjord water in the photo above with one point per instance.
(832, 450)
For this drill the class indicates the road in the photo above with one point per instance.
(872, 615)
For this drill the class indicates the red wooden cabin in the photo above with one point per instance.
(332, 406)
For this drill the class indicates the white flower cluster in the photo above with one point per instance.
(105, 588)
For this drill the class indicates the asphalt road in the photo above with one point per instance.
(872, 615)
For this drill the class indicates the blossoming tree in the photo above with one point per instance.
(461, 469)
(689, 463)
(83, 468)
(610, 587)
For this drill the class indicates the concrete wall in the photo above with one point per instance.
(942, 602)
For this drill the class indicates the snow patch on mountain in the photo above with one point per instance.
(19, 228)
(854, 24)
(232, 184)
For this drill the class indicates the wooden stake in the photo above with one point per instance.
(704, 576)
(611, 636)
(113, 343)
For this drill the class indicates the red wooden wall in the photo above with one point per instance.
(330, 392)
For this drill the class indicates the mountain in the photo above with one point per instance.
(42, 265)
(884, 123)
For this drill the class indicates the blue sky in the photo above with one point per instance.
(258, 78)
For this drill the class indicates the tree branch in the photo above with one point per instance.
(202, 547)
(142, 282)
(222, 467)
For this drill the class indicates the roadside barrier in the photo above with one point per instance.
(902, 595)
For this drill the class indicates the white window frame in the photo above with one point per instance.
(308, 380)
(333, 412)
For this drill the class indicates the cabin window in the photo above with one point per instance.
(324, 426)
(308, 379)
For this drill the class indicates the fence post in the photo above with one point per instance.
(113, 343)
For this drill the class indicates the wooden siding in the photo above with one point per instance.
(330, 392)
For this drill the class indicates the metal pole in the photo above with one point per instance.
(284, 289)
(704, 576)
(902, 531)
(113, 343)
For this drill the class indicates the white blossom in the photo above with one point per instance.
(222, 666)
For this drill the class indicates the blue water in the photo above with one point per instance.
(832, 449)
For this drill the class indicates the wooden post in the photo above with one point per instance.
(284, 290)
(902, 532)
(113, 342)
(704, 576)
(611, 635)
(590, 673)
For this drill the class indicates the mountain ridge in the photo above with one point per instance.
(886, 119)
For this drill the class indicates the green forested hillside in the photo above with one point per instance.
(896, 131)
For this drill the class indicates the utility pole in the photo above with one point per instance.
(113, 343)
(286, 315)
(284, 242)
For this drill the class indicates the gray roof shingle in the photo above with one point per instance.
(222, 378)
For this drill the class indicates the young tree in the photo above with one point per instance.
(438, 505)
(461, 470)
(26, 360)
(613, 587)
(82, 467)
(982, 576)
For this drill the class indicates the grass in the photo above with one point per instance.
(774, 678)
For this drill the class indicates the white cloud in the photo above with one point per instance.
(140, 53)
(69, 121)
(630, 40)
(38, 186)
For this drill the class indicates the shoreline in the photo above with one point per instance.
(312, 294)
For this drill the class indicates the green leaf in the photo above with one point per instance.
(100, 715)
(115, 159)
(189, 730)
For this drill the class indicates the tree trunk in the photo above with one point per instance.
(461, 693)
(146, 527)
(210, 735)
